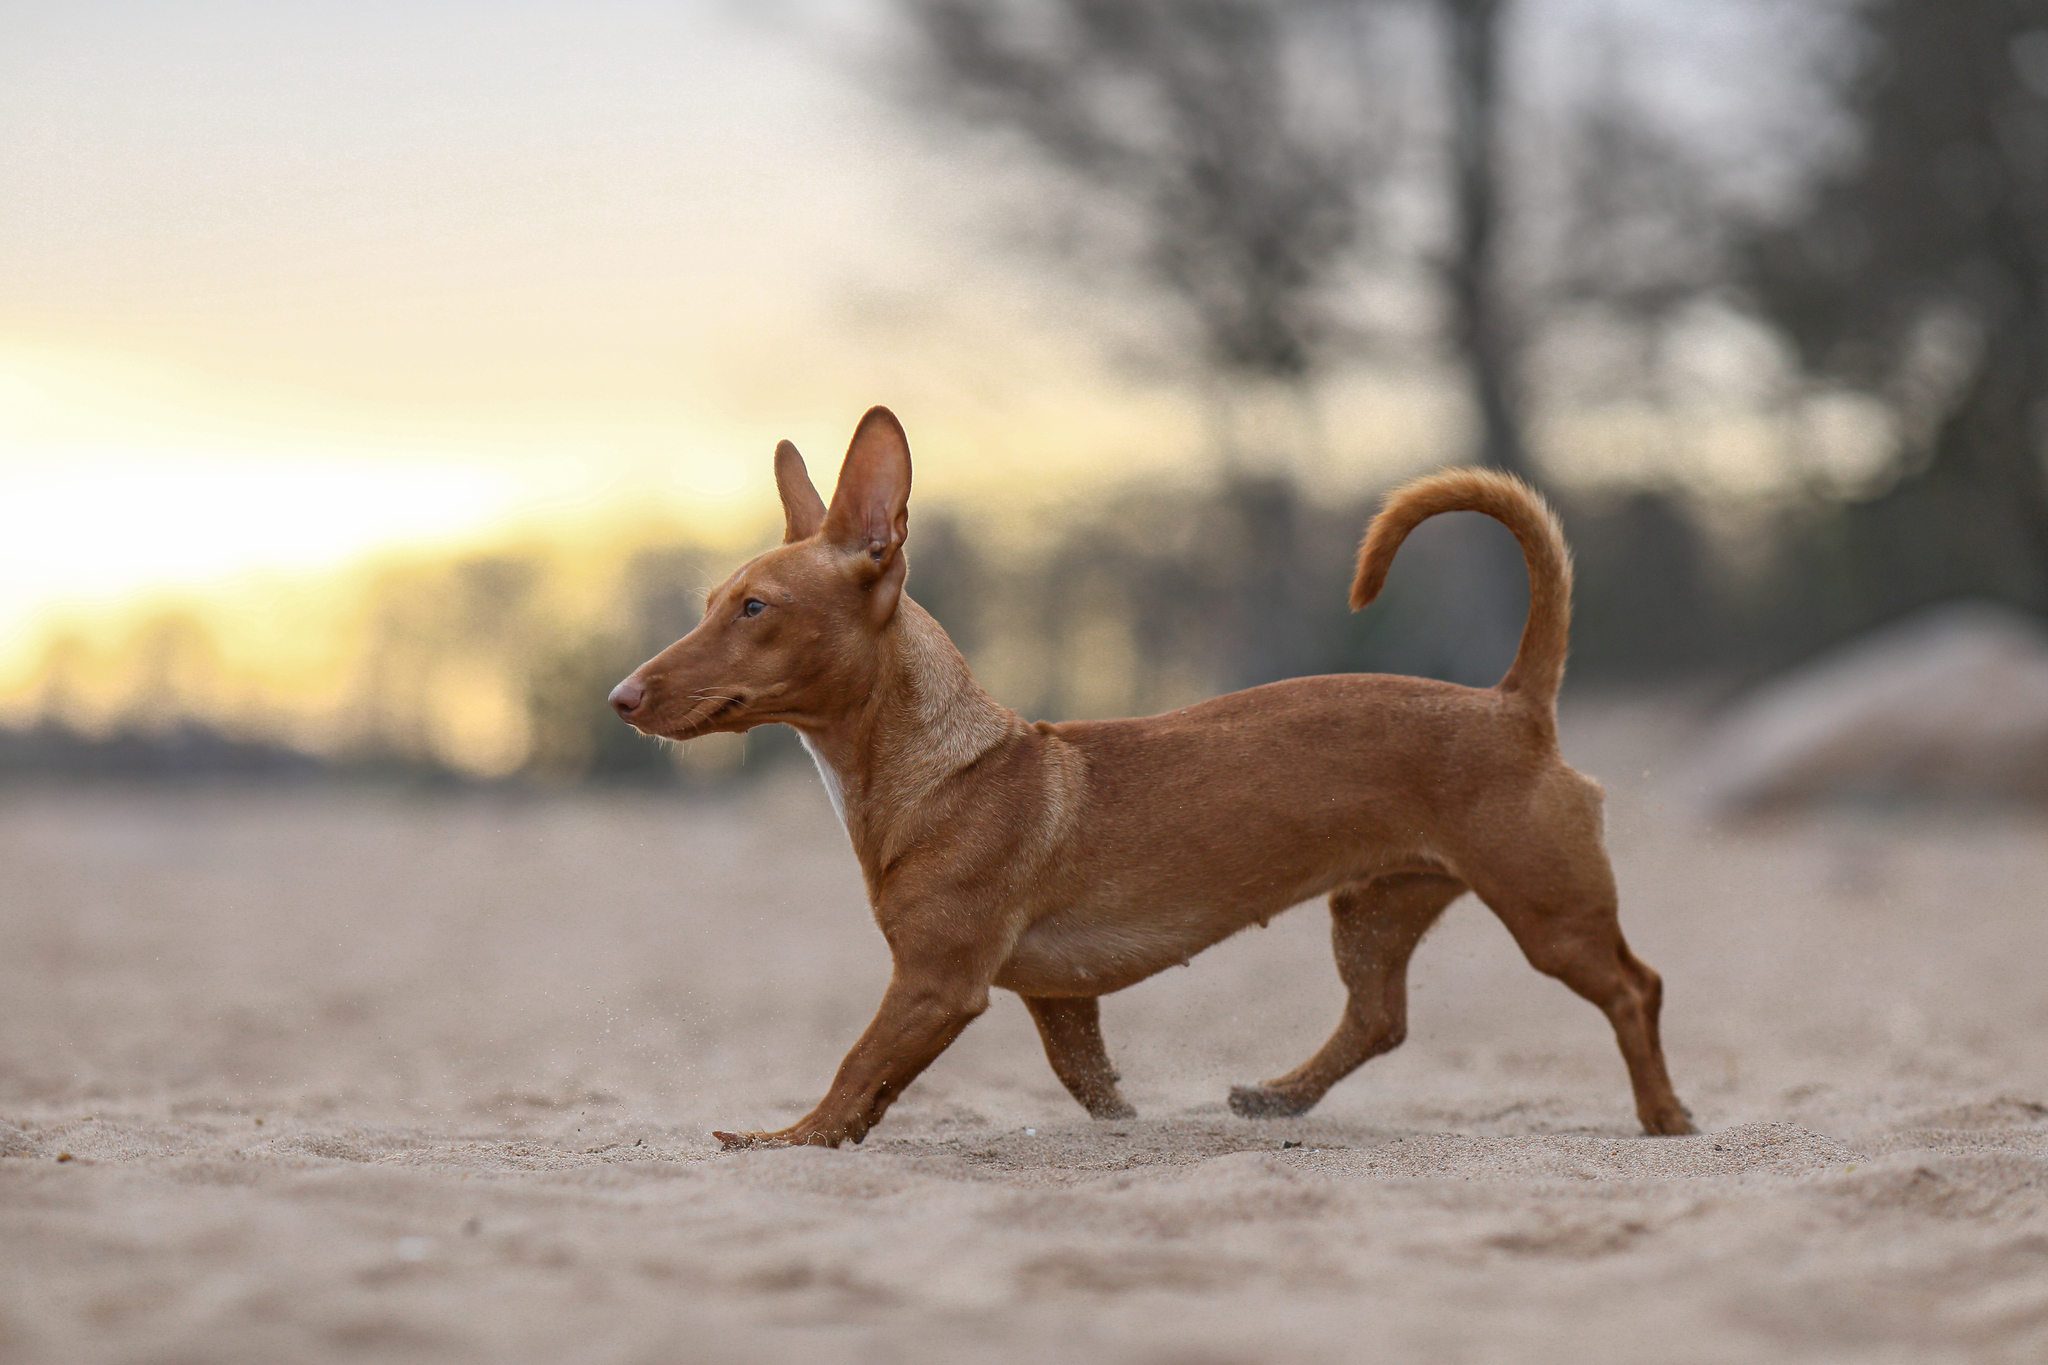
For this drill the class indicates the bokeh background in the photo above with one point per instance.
(380, 383)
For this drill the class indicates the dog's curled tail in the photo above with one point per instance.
(1539, 664)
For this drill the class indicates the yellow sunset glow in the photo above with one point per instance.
(293, 295)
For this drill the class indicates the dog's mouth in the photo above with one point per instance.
(708, 713)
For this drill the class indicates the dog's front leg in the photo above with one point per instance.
(923, 1011)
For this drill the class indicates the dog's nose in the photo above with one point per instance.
(627, 696)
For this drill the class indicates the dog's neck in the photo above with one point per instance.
(922, 719)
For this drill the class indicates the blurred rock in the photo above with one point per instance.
(1949, 704)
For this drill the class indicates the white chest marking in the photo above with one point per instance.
(830, 776)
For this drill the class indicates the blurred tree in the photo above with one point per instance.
(657, 601)
(1181, 109)
(1481, 328)
(1918, 272)
(178, 669)
(1201, 117)
(947, 578)
(1188, 114)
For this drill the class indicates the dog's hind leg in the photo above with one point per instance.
(1071, 1028)
(1374, 927)
(1572, 932)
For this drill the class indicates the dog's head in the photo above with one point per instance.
(791, 636)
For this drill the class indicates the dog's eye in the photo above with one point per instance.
(753, 606)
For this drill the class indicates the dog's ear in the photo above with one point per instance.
(803, 511)
(870, 512)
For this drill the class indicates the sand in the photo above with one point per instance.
(298, 1073)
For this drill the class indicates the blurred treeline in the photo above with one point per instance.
(1309, 185)
(1144, 599)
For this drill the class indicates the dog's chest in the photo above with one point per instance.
(834, 792)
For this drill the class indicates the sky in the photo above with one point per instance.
(284, 283)
(282, 286)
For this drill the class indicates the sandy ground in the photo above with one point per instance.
(319, 1075)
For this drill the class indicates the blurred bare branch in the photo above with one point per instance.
(1185, 111)
(1918, 272)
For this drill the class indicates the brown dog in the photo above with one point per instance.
(1067, 861)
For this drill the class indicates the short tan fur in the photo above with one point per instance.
(1065, 861)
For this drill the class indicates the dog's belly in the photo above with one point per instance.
(1093, 936)
(1103, 943)
(1069, 955)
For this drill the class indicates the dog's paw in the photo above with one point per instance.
(1676, 1122)
(1115, 1109)
(788, 1137)
(1258, 1102)
(740, 1142)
